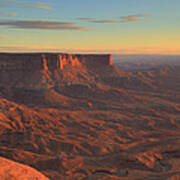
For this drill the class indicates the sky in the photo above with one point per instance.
(90, 26)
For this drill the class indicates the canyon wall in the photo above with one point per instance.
(40, 61)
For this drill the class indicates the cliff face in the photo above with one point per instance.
(32, 62)
(24, 73)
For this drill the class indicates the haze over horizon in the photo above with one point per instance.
(117, 26)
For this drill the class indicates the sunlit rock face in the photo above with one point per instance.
(16, 171)
(34, 62)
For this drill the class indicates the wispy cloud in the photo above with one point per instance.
(123, 19)
(86, 19)
(134, 18)
(105, 21)
(16, 1)
(28, 4)
(8, 14)
(129, 19)
(38, 6)
(143, 15)
(43, 25)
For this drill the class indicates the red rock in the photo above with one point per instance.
(16, 171)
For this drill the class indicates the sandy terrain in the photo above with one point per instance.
(90, 122)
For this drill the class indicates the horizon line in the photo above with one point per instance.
(78, 52)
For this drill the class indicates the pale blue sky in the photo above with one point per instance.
(124, 26)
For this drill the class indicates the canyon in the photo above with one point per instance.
(80, 117)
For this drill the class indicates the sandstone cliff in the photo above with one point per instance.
(46, 70)
(32, 62)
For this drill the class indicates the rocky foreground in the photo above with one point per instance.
(74, 118)
(12, 170)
